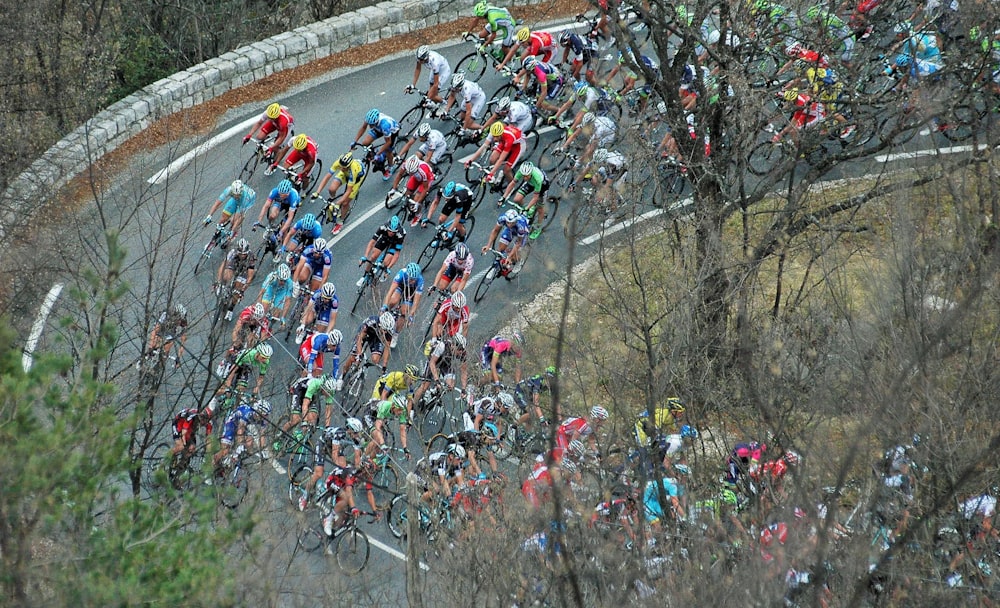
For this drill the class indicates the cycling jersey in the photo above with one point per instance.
(306, 155)
(339, 438)
(439, 67)
(613, 166)
(651, 497)
(240, 416)
(548, 73)
(488, 407)
(386, 126)
(408, 286)
(459, 202)
(384, 412)
(541, 43)
(301, 235)
(394, 382)
(604, 129)
(324, 307)
(473, 94)
(171, 326)
(317, 260)
(461, 267)
(535, 182)
(239, 263)
(289, 202)
(237, 204)
(434, 148)
(983, 505)
(497, 347)
(421, 179)
(437, 463)
(520, 115)
(185, 426)
(372, 336)
(353, 175)
(283, 123)
(339, 479)
(572, 428)
(306, 388)
(583, 50)
(500, 20)
(510, 141)
(312, 349)
(451, 318)
(247, 322)
(387, 241)
(275, 290)
(519, 231)
(247, 360)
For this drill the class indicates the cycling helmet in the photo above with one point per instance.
(580, 88)
(689, 432)
(792, 457)
(308, 221)
(565, 38)
(284, 272)
(372, 116)
(449, 190)
(412, 164)
(529, 63)
(517, 338)
(423, 130)
(456, 450)
(300, 141)
(675, 406)
(577, 449)
(329, 385)
(526, 168)
(265, 350)
(661, 107)
(243, 246)
(506, 399)
(728, 497)
(551, 371)
(503, 104)
(345, 160)
(510, 216)
(568, 466)
(902, 60)
(180, 310)
(423, 51)
(386, 321)
(262, 407)
(598, 413)
(413, 270)
(399, 401)
(791, 94)
(496, 129)
(394, 223)
(600, 155)
(458, 300)
(353, 424)
(257, 311)
(457, 80)
(328, 290)
(460, 341)
(588, 118)
(523, 34)
(331, 431)
(902, 28)
(236, 188)
(411, 370)
(335, 336)
(285, 187)
(479, 10)
(319, 245)
(273, 111)
(462, 253)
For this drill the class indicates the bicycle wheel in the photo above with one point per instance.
(312, 178)
(250, 166)
(184, 475)
(765, 157)
(410, 121)
(962, 121)
(385, 485)
(233, 488)
(310, 539)
(531, 139)
(297, 479)
(551, 158)
(639, 30)
(484, 283)
(206, 253)
(473, 64)
(300, 455)
(396, 517)
(439, 443)
(356, 392)
(295, 313)
(361, 291)
(352, 550)
(551, 209)
(505, 90)
(427, 254)
(431, 421)
(442, 168)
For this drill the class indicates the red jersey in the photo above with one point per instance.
(510, 137)
(539, 42)
(421, 179)
(308, 155)
(452, 319)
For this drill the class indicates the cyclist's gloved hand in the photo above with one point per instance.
(355, 512)
(315, 195)
(246, 139)
(338, 384)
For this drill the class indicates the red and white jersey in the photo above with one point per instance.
(451, 318)
(464, 266)
(575, 427)
(283, 122)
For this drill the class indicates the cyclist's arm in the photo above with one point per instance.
(512, 186)
(416, 74)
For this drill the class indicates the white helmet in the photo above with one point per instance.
(319, 244)
(265, 350)
(387, 322)
(456, 450)
(257, 311)
(412, 164)
(458, 300)
(600, 155)
(335, 337)
(503, 104)
(284, 272)
(423, 51)
(423, 130)
(354, 424)
(457, 80)
(236, 188)
(506, 399)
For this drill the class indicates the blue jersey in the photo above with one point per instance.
(317, 260)
(321, 344)
(385, 126)
(241, 415)
(292, 201)
(235, 204)
(276, 290)
(320, 305)
(520, 228)
(312, 234)
(409, 286)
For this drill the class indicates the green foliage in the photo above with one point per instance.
(143, 60)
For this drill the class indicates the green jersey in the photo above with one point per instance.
(249, 359)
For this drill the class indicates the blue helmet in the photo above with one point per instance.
(394, 223)
(689, 432)
(285, 187)
(580, 88)
(308, 221)
(413, 270)
(449, 189)
(903, 60)
(372, 116)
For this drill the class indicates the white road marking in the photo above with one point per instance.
(639, 218)
(173, 167)
(36, 329)
(357, 221)
(393, 552)
(885, 158)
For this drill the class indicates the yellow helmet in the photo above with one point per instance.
(523, 34)
(496, 129)
(300, 141)
(791, 94)
(273, 110)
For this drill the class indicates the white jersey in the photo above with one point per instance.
(604, 129)
(465, 267)
(983, 504)
(434, 148)
(520, 114)
(439, 67)
(473, 94)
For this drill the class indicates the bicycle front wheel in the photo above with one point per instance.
(298, 478)
(385, 484)
(484, 283)
(233, 488)
(310, 539)
(551, 209)
(352, 551)
(396, 517)
(427, 254)
(249, 167)
(410, 121)
(206, 254)
(473, 64)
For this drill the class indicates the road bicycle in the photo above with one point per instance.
(297, 310)
(432, 415)
(356, 390)
(475, 63)
(409, 208)
(348, 545)
(477, 180)
(261, 155)
(181, 469)
(269, 242)
(230, 294)
(231, 479)
(220, 238)
(380, 474)
(434, 521)
(500, 268)
(294, 445)
(551, 209)
(375, 273)
(445, 238)
(414, 116)
(302, 185)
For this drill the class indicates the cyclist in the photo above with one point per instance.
(653, 505)
(488, 407)
(577, 429)
(431, 149)
(276, 292)
(185, 431)
(530, 179)
(455, 270)
(550, 82)
(251, 327)
(284, 197)
(238, 270)
(516, 113)
(593, 99)
(380, 414)
(439, 68)
(535, 44)
(493, 352)
(331, 445)
(250, 361)
(418, 183)
(304, 231)
(375, 332)
(345, 170)
(321, 311)
(458, 199)
(452, 317)
(601, 131)
(537, 487)
(235, 430)
(404, 297)
(499, 22)
(507, 142)
(388, 238)
(508, 236)
(314, 266)
(473, 100)
(440, 471)
(275, 118)
(312, 350)
(444, 358)
(304, 149)
(340, 485)
(169, 328)
(306, 394)
(533, 386)
(742, 464)
(236, 199)
(396, 383)
(807, 114)
(378, 125)
(583, 51)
